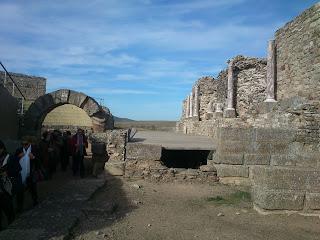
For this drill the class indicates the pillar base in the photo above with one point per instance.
(229, 113)
(218, 114)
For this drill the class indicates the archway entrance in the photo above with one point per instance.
(67, 117)
(32, 122)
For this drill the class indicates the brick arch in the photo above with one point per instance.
(101, 117)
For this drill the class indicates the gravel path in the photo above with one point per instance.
(142, 210)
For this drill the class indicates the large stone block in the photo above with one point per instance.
(91, 107)
(288, 178)
(136, 151)
(283, 160)
(60, 96)
(257, 159)
(275, 135)
(236, 134)
(313, 201)
(76, 98)
(224, 170)
(278, 199)
(236, 159)
(233, 147)
(99, 137)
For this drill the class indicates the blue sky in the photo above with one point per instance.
(140, 56)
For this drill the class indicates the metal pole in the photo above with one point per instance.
(13, 81)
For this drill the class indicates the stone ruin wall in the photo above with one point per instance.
(298, 56)
(250, 74)
(207, 93)
(273, 143)
(31, 87)
(250, 85)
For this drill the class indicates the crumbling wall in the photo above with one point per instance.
(250, 84)
(109, 149)
(31, 87)
(208, 92)
(298, 56)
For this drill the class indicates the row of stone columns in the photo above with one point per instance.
(271, 81)
(193, 104)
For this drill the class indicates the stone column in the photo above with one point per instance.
(191, 105)
(187, 107)
(230, 112)
(271, 71)
(196, 102)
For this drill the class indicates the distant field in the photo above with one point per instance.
(148, 125)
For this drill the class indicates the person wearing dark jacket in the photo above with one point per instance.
(79, 143)
(9, 182)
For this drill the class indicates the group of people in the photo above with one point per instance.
(33, 162)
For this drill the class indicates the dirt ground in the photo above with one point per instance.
(144, 210)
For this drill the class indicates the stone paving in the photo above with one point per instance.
(57, 214)
(173, 140)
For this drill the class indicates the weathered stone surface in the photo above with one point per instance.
(91, 106)
(283, 160)
(278, 200)
(233, 159)
(224, 170)
(76, 98)
(256, 159)
(279, 178)
(135, 151)
(60, 96)
(208, 168)
(32, 87)
(313, 201)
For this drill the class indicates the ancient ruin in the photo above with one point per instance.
(264, 115)
(256, 124)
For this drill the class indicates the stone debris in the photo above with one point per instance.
(136, 186)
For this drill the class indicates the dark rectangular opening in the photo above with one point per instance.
(184, 158)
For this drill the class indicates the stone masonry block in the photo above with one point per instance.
(232, 147)
(283, 160)
(286, 178)
(91, 107)
(236, 159)
(136, 151)
(224, 170)
(236, 134)
(257, 159)
(275, 135)
(76, 98)
(313, 201)
(278, 199)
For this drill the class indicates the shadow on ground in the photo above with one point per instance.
(108, 204)
(58, 214)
